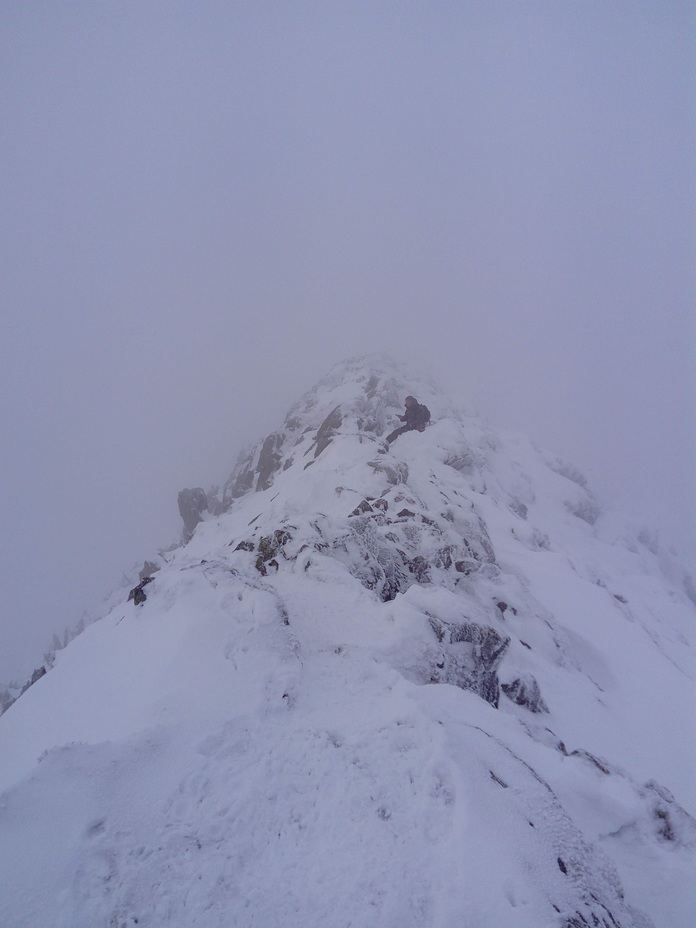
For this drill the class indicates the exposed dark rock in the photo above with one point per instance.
(269, 547)
(665, 828)
(525, 692)
(137, 594)
(499, 781)
(10, 694)
(327, 430)
(420, 569)
(593, 759)
(243, 483)
(405, 514)
(361, 509)
(390, 588)
(474, 666)
(245, 546)
(38, 673)
(371, 386)
(247, 470)
(672, 823)
(269, 459)
(192, 504)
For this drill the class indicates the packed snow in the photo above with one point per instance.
(429, 684)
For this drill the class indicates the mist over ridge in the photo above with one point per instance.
(364, 644)
(205, 209)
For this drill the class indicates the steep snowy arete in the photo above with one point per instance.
(427, 684)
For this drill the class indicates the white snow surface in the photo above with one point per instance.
(287, 736)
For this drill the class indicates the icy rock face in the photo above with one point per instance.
(368, 404)
(470, 656)
(392, 539)
(192, 505)
(525, 692)
(376, 686)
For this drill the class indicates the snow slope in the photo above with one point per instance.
(426, 685)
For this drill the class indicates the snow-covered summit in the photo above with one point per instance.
(430, 684)
(359, 398)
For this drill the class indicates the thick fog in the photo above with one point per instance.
(205, 205)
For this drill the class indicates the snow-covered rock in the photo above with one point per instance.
(428, 684)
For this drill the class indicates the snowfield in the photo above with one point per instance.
(433, 684)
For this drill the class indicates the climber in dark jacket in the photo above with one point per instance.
(416, 418)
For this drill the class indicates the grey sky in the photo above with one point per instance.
(205, 205)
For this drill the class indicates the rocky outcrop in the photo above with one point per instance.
(11, 693)
(192, 504)
(395, 551)
(269, 548)
(35, 677)
(241, 479)
(389, 543)
(256, 469)
(270, 459)
(524, 691)
(468, 657)
(137, 594)
(327, 430)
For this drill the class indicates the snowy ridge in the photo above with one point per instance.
(431, 684)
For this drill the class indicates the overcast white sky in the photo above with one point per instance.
(204, 205)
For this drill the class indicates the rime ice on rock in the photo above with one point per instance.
(376, 686)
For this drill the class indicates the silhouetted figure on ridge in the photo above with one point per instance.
(416, 418)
